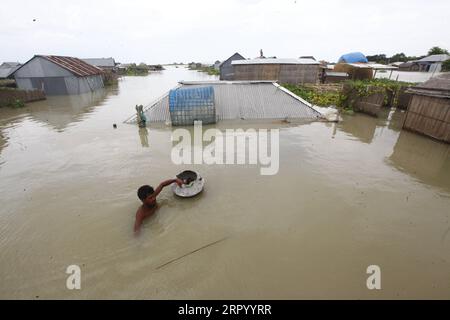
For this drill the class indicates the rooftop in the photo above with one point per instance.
(8, 68)
(101, 62)
(435, 58)
(438, 86)
(275, 61)
(244, 100)
(74, 65)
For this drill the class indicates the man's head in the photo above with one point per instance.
(144, 192)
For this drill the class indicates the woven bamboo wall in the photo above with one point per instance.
(429, 116)
(284, 73)
(354, 72)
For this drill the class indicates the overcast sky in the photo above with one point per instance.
(183, 31)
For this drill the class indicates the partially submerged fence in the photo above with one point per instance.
(9, 96)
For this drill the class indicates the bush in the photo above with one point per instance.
(17, 103)
(446, 66)
(323, 99)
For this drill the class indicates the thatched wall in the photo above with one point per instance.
(283, 73)
(430, 116)
(354, 73)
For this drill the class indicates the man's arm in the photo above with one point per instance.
(138, 222)
(165, 184)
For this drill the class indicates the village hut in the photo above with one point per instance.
(7, 69)
(57, 75)
(106, 64)
(429, 108)
(226, 69)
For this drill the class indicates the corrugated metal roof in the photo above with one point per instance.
(77, 66)
(274, 61)
(236, 56)
(435, 58)
(101, 62)
(438, 86)
(8, 68)
(243, 100)
(374, 66)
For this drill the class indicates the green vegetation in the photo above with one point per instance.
(17, 103)
(345, 97)
(316, 97)
(356, 89)
(202, 68)
(437, 50)
(446, 65)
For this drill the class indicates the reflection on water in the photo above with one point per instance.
(347, 195)
(423, 158)
(59, 112)
(143, 134)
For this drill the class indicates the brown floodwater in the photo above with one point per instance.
(348, 195)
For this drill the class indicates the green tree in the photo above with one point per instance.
(399, 57)
(437, 50)
(446, 65)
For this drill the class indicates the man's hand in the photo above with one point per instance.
(179, 182)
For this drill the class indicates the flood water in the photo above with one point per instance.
(348, 195)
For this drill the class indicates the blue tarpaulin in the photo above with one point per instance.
(189, 105)
(353, 57)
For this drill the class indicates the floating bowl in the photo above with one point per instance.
(194, 186)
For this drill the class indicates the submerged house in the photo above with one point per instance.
(432, 63)
(57, 75)
(7, 69)
(228, 100)
(292, 71)
(429, 108)
(226, 69)
(107, 64)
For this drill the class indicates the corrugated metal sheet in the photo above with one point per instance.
(101, 62)
(435, 58)
(8, 68)
(243, 100)
(274, 61)
(77, 66)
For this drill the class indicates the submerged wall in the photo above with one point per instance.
(429, 116)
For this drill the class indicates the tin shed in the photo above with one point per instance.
(57, 75)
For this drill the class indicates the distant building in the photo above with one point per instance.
(217, 65)
(226, 69)
(361, 71)
(7, 69)
(102, 63)
(409, 66)
(57, 75)
(292, 71)
(432, 63)
(353, 57)
(308, 57)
